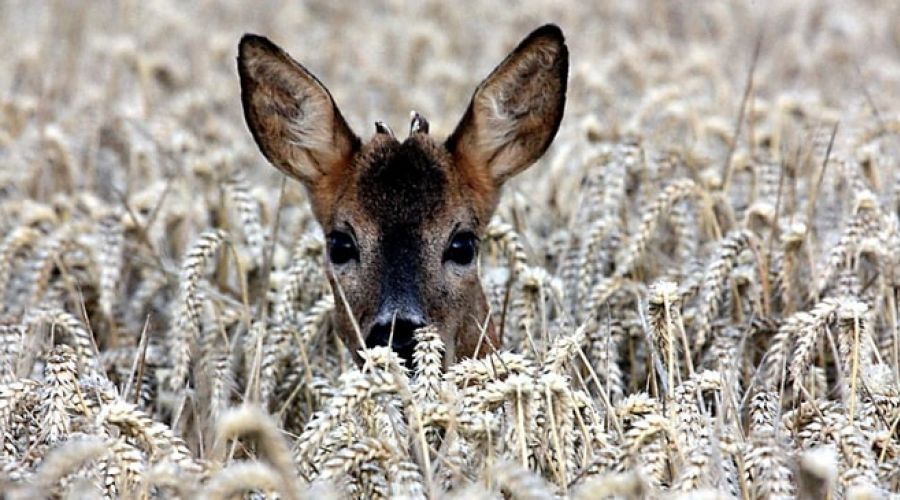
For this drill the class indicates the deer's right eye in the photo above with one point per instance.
(341, 248)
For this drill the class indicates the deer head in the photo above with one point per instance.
(403, 219)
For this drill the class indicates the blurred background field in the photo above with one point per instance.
(698, 283)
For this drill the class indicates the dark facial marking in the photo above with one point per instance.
(402, 188)
(400, 247)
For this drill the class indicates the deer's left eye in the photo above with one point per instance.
(462, 249)
(341, 248)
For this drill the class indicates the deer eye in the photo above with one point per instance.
(462, 248)
(341, 248)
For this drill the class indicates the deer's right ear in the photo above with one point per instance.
(291, 115)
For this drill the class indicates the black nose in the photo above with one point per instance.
(402, 341)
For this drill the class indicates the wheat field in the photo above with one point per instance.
(698, 284)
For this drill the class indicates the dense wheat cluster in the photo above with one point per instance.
(698, 285)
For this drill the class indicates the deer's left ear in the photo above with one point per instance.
(516, 111)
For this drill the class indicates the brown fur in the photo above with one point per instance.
(403, 202)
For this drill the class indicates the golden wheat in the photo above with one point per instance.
(697, 289)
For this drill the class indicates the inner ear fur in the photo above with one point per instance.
(515, 112)
(291, 115)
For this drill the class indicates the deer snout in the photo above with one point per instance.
(397, 331)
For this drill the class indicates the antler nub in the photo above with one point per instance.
(382, 128)
(417, 124)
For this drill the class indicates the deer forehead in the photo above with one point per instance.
(403, 182)
(404, 189)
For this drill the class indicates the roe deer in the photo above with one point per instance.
(403, 220)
